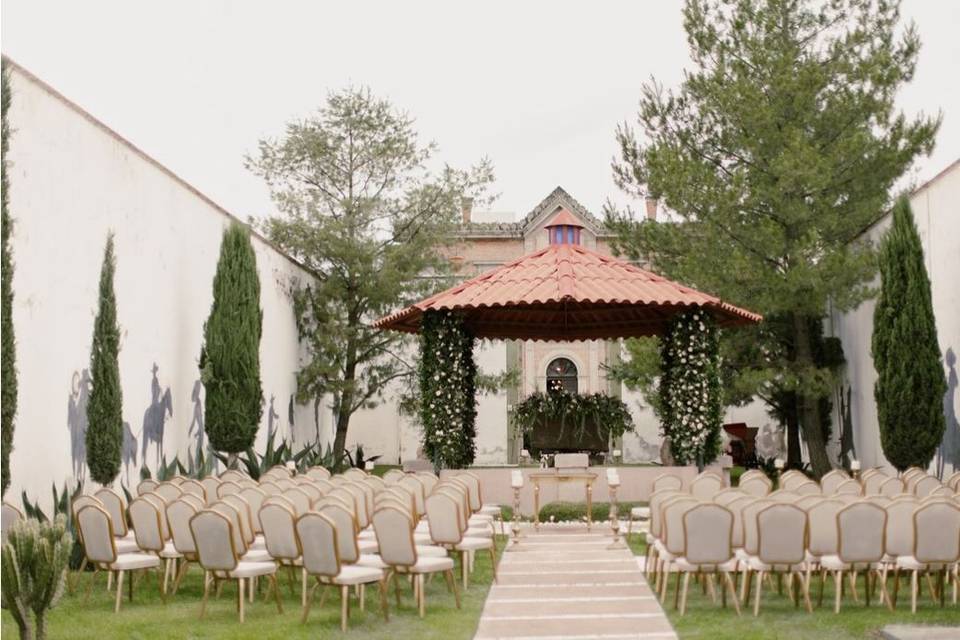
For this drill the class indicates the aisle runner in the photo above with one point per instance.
(567, 585)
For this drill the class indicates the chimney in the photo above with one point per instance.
(466, 208)
(651, 203)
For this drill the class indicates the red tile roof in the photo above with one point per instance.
(566, 218)
(567, 292)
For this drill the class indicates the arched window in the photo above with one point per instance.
(562, 375)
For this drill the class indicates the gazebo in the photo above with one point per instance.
(567, 292)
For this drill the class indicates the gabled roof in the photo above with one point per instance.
(557, 200)
(567, 292)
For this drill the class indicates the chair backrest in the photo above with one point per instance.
(473, 489)
(784, 495)
(115, 505)
(228, 487)
(925, 486)
(805, 502)
(890, 487)
(899, 530)
(376, 483)
(210, 485)
(666, 481)
(355, 473)
(749, 516)
(168, 491)
(232, 475)
(214, 539)
(953, 481)
(656, 509)
(673, 511)
(849, 487)
(726, 496)
(872, 482)
(831, 479)
(194, 487)
(861, 531)
(429, 480)
(254, 498)
(96, 530)
(781, 534)
(749, 473)
(706, 485)
(456, 493)
(393, 476)
(791, 477)
(318, 543)
(318, 473)
(284, 483)
(270, 488)
(937, 532)
(708, 534)
(443, 516)
(736, 508)
(146, 524)
(347, 498)
(145, 485)
(195, 500)
(161, 505)
(360, 499)
(279, 524)
(822, 523)
(346, 533)
(310, 489)
(807, 488)
(394, 531)
(236, 501)
(233, 517)
(758, 484)
(178, 517)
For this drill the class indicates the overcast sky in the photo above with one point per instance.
(538, 87)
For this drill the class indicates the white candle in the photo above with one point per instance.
(613, 478)
(291, 465)
(778, 463)
(616, 453)
(524, 453)
(516, 479)
(854, 465)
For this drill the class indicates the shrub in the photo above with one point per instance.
(35, 560)
(8, 350)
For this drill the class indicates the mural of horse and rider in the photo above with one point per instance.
(136, 446)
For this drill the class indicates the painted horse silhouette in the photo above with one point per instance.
(154, 418)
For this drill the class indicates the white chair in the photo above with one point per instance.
(706, 485)
(872, 482)
(666, 481)
(152, 533)
(254, 498)
(318, 473)
(228, 487)
(116, 506)
(210, 486)
(321, 559)
(194, 487)
(708, 549)
(394, 530)
(393, 476)
(936, 545)
(279, 524)
(758, 485)
(100, 548)
(791, 477)
(670, 543)
(244, 552)
(214, 538)
(807, 488)
(250, 536)
(891, 487)
(848, 487)
(821, 539)
(861, 529)
(447, 519)
(168, 491)
(179, 513)
(477, 505)
(145, 486)
(233, 475)
(781, 548)
(925, 486)
(831, 480)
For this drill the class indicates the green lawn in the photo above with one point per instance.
(780, 620)
(147, 617)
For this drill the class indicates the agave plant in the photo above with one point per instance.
(61, 507)
(34, 567)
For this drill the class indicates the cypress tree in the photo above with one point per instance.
(105, 407)
(8, 349)
(910, 383)
(230, 357)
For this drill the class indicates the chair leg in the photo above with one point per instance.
(307, 601)
(896, 586)
(179, 577)
(116, 607)
(206, 594)
(823, 579)
(852, 577)
(804, 587)
(733, 592)
(276, 592)
(756, 601)
(344, 607)
(676, 594)
(421, 595)
(384, 607)
(240, 598)
(683, 599)
(166, 573)
(463, 567)
(303, 587)
(90, 585)
(744, 581)
(838, 588)
(453, 585)
(914, 586)
(493, 567)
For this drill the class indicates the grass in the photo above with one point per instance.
(780, 620)
(147, 617)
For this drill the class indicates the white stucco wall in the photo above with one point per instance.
(71, 181)
(936, 209)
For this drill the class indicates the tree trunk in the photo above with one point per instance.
(40, 631)
(232, 460)
(794, 460)
(808, 405)
(340, 439)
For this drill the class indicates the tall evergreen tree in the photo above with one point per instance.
(911, 382)
(230, 357)
(781, 145)
(360, 207)
(105, 407)
(8, 349)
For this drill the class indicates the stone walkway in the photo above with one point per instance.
(566, 585)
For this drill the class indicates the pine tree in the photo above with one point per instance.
(910, 383)
(8, 349)
(105, 407)
(230, 357)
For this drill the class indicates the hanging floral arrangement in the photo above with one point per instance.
(448, 404)
(690, 392)
(573, 411)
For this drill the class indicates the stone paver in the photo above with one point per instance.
(567, 585)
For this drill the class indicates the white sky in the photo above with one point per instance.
(538, 87)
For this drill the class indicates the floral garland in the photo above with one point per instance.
(448, 404)
(610, 414)
(690, 392)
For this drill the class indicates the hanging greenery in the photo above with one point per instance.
(690, 391)
(573, 411)
(448, 403)
(8, 350)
